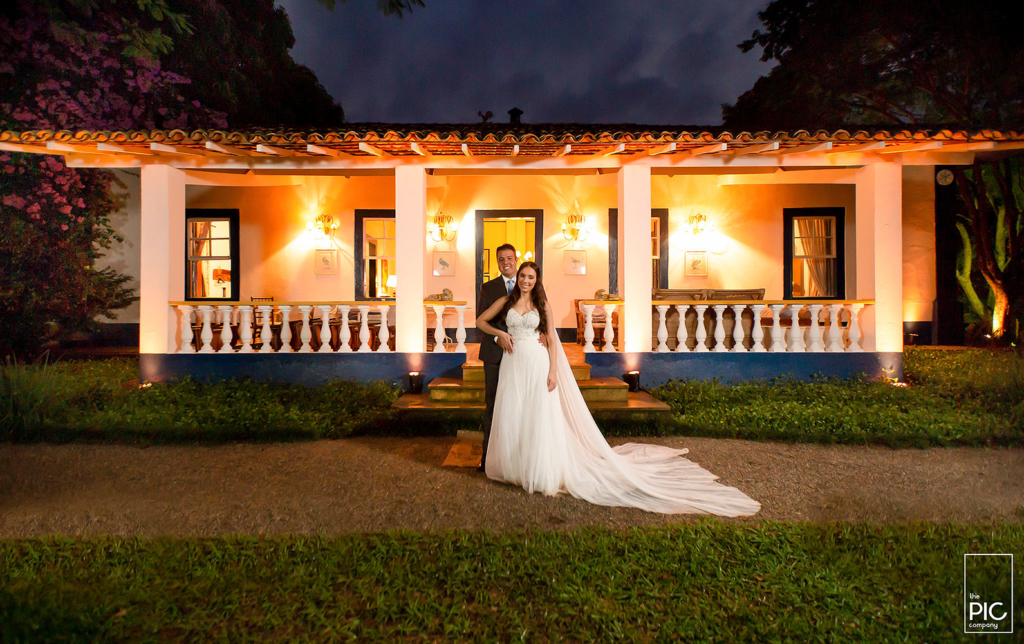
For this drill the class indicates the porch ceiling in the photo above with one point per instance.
(504, 146)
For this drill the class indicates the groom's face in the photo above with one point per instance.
(507, 263)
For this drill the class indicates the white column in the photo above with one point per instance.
(325, 328)
(756, 332)
(609, 329)
(738, 338)
(588, 328)
(720, 328)
(305, 334)
(460, 333)
(879, 261)
(682, 334)
(702, 333)
(286, 328)
(662, 329)
(344, 335)
(186, 330)
(225, 328)
(266, 333)
(384, 335)
(635, 246)
(245, 327)
(439, 335)
(796, 334)
(835, 333)
(854, 328)
(411, 232)
(162, 248)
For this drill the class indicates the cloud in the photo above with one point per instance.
(603, 61)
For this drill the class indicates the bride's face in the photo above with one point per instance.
(527, 279)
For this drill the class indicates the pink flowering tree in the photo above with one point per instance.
(68, 66)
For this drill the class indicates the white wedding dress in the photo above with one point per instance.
(548, 442)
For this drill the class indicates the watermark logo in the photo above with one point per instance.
(988, 593)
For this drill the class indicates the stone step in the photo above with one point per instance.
(457, 390)
(638, 403)
(474, 372)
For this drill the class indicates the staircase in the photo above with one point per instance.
(466, 394)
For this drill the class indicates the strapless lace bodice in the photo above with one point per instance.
(522, 327)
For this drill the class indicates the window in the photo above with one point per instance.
(814, 253)
(211, 262)
(376, 256)
(655, 251)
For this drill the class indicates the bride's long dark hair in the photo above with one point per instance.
(538, 297)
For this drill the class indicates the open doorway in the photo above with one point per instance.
(521, 228)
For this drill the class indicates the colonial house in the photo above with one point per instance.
(309, 256)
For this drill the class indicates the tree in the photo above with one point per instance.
(933, 63)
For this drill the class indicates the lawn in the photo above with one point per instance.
(970, 397)
(703, 581)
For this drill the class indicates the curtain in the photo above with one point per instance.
(814, 240)
(200, 274)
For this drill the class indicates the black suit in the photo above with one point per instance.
(490, 351)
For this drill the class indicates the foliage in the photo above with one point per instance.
(708, 580)
(387, 7)
(871, 62)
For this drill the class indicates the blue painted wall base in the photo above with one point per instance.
(655, 368)
(659, 368)
(301, 368)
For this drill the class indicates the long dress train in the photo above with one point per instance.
(548, 442)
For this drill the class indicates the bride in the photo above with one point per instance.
(544, 438)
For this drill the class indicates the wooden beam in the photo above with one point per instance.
(668, 148)
(805, 149)
(564, 151)
(466, 150)
(858, 147)
(607, 152)
(515, 150)
(420, 150)
(278, 152)
(757, 149)
(708, 149)
(372, 149)
(912, 147)
(326, 152)
(225, 149)
(25, 148)
(120, 149)
(173, 149)
(977, 146)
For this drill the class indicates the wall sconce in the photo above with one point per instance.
(443, 229)
(323, 226)
(700, 234)
(520, 258)
(575, 228)
(698, 223)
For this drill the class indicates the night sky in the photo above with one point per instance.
(595, 61)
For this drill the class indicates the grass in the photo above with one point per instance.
(971, 397)
(702, 581)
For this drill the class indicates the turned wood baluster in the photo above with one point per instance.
(286, 328)
(364, 328)
(756, 332)
(854, 330)
(662, 328)
(460, 333)
(778, 343)
(720, 328)
(206, 335)
(609, 328)
(245, 326)
(737, 325)
(835, 332)
(702, 333)
(186, 329)
(588, 328)
(796, 332)
(344, 334)
(383, 334)
(817, 343)
(681, 341)
(325, 328)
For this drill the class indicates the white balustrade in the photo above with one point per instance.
(186, 329)
(460, 333)
(266, 330)
(245, 326)
(818, 336)
(588, 328)
(364, 328)
(206, 335)
(383, 334)
(325, 328)
(609, 328)
(305, 335)
(286, 329)
(344, 334)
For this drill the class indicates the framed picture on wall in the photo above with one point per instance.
(444, 263)
(575, 262)
(697, 263)
(325, 262)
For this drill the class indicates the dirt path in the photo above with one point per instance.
(372, 484)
